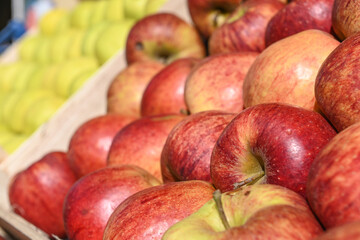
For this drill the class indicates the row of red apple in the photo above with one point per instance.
(148, 172)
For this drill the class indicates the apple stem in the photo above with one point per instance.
(248, 180)
(219, 205)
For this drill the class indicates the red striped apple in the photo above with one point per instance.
(343, 232)
(263, 211)
(150, 212)
(333, 179)
(269, 143)
(38, 192)
(163, 37)
(285, 71)
(92, 199)
(141, 142)
(216, 83)
(298, 16)
(165, 92)
(346, 18)
(187, 151)
(90, 144)
(244, 29)
(337, 84)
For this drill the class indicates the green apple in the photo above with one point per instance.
(251, 212)
(91, 36)
(99, 12)
(37, 77)
(75, 47)
(115, 10)
(8, 75)
(28, 47)
(79, 81)
(134, 8)
(81, 15)
(54, 21)
(26, 71)
(153, 6)
(113, 39)
(49, 77)
(69, 71)
(29, 99)
(41, 112)
(8, 103)
(60, 45)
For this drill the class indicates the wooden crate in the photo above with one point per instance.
(88, 102)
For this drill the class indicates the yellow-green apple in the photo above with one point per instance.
(187, 151)
(113, 39)
(90, 143)
(38, 192)
(134, 8)
(60, 44)
(244, 29)
(210, 14)
(344, 232)
(331, 187)
(28, 46)
(81, 14)
(149, 213)
(269, 143)
(125, 91)
(92, 199)
(115, 11)
(216, 82)
(98, 14)
(298, 16)
(141, 142)
(55, 21)
(263, 211)
(163, 37)
(286, 70)
(337, 84)
(92, 34)
(165, 92)
(346, 18)
(153, 6)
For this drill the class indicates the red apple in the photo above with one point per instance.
(216, 82)
(337, 84)
(38, 192)
(332, 188)
(141, 142)
(210, 14)
(285, 72)
(150, 212)
(90, 144)
(187, 151)
(163, 37)
(298, 16)
(93, 198)
(126, 90)
(343, 232)
(346, 18)
(244, 29)
(165, 92)
(269, 143)
(263, 211)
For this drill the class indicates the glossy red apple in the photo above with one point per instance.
(165, 92)
(207, 15)
(285, 71)
(298, 16)
(38, 192)
(141, 142)
(216, 83)
(337, 84)
(346, 18)
(187, 151)
(262, 211)
(125, 91)
(93, 198)
(244, 29)
(343, 232)
(269, 143)
(90, 144)
(149, 213)
(163, 37)
(332, 188)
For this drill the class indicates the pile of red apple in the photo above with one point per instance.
(244, 124)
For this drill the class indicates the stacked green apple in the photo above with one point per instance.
(53, 63)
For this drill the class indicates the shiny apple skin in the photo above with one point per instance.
(346, 18)
(278, 140)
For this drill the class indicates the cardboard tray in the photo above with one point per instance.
(88, 102)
